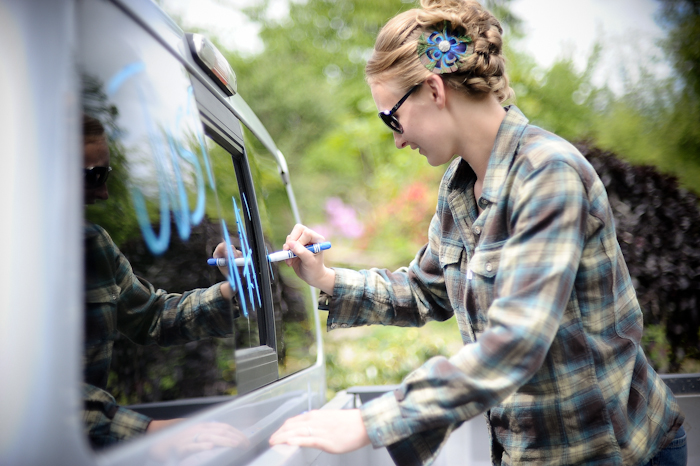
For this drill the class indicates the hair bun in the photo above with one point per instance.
(408, 48)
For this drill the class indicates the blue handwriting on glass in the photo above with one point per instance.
(167, 150)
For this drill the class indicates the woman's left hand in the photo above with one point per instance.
(333, 431)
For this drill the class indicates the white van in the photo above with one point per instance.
(191, 166)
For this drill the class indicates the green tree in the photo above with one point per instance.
(682, 44)
(307, 87)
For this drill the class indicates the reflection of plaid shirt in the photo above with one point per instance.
(117, 301)
(546, 308)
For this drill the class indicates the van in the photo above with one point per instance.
(189, 166)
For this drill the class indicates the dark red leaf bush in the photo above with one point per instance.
(658, 228)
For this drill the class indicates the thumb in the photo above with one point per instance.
(301, 252)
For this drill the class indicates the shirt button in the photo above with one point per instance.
(343, 325)
(489, 267)
(483, 202)
(477, 230)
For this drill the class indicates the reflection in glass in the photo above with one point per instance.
(293, 306)
(235, 212)
(151, 228)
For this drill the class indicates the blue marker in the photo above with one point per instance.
(274, 257)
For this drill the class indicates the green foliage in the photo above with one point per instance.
(562, 91)
(307, 87)
(384, 355)
(683, 18)
(656, 346)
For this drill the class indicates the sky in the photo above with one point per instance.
(626, 28)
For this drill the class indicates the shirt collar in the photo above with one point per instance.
(504, 148)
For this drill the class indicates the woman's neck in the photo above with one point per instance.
(478, 121)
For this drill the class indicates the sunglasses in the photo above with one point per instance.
(388, 117)
(96, 177)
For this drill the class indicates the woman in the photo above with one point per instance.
(522, 249)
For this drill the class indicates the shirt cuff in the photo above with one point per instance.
(383, 421)
(325, 300)
(222, 318)
(127, 423)
(348, 290)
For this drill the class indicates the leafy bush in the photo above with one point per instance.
(384, 355)
(658, 228)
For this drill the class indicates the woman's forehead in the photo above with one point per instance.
(96, 151)
(385, 94)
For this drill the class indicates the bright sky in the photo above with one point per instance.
(626, 28)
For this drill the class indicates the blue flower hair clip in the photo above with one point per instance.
(442, 52)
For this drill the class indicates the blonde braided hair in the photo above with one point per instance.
(395, 54)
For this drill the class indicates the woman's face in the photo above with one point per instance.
(422, 121)
(96, 153)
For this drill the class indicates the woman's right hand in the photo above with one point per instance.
(307, 265)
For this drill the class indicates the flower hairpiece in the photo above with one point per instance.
(442, 52)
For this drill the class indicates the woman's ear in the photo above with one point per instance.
(437, 89)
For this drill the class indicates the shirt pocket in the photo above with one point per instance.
(451, 263)
(450, 253)
(481, 275)
(101, 314)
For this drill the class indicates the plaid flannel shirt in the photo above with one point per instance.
(117, 301)
(546, 309)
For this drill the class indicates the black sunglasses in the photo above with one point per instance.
(388, 117)
(96, 177)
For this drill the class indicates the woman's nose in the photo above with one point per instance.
(399, 140)
(102, 192)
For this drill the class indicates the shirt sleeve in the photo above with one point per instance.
(106, 422)
(147, 315)
(407, 297)
(537, 269)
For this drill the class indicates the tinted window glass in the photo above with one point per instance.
(236, 211)
(292, 299)
(158, 326)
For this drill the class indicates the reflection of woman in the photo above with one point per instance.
(119, 302)
(522, 249)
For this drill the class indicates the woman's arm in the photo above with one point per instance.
(406, 297)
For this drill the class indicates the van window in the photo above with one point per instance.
(157, 325)
(292, 299)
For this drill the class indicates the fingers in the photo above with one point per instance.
(333, 431)
(294, 431)
(200, 437)
(187, 449)
(299, 249)
(300, 237)
(304, 235)
(220, 434)
(220, 250)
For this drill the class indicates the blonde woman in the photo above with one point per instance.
(522, 250)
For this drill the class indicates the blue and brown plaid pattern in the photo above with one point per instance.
(117, 301)
(546, 309)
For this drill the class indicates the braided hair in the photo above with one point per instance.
(482, 71)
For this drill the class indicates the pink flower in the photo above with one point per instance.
(343, 218)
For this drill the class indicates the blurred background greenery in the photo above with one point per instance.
(374, 202)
